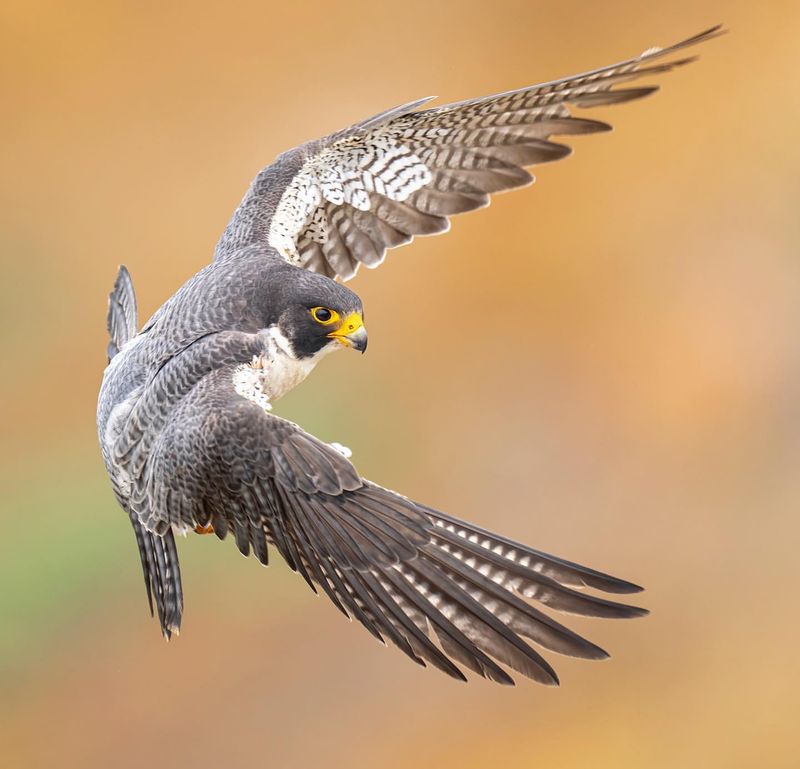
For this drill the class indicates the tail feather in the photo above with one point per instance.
(162, 575)
(122, 316)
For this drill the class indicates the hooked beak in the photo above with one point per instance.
(352, 332)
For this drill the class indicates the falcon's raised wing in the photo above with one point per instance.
(336, 203)
(440, 589)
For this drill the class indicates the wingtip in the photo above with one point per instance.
(498, 675)
(122, 274)
(617, 586)
(554, 681)
(591, 651)
(718, 30)
(548, 675)
(683, 62)
(701, 37)
(715, 30)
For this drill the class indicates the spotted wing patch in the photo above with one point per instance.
(403, 173)
(344, 174)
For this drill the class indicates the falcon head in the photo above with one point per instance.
(318, 314)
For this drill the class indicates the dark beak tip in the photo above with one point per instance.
(358, 339)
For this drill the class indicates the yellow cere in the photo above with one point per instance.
(349, 325)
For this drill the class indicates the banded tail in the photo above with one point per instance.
(162, 574)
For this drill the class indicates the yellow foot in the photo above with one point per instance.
(204, 529)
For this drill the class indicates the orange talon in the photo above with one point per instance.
(204, 529)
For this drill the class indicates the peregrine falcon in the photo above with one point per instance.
(185, 417)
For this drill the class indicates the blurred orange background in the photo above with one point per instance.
(605, 366)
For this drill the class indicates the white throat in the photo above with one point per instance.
(277, 370)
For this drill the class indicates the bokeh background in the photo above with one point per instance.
(604, 365)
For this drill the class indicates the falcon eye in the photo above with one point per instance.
(324, 316)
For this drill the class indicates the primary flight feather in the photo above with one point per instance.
(184, 413)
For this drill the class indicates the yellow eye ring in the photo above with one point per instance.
(324, 316)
